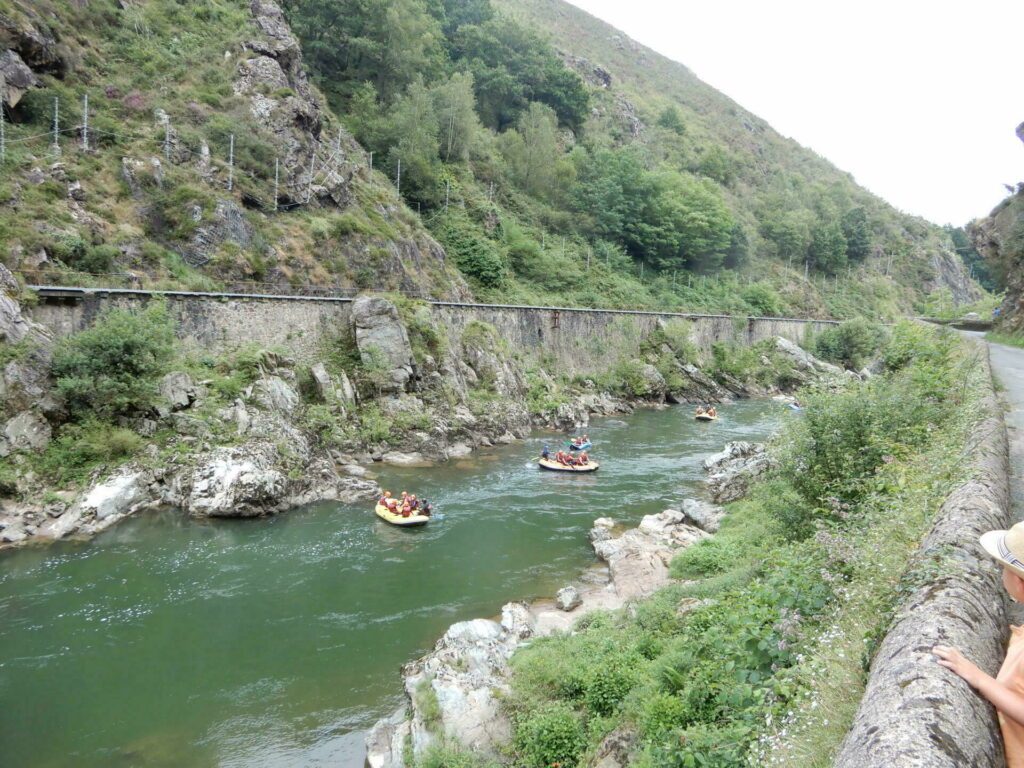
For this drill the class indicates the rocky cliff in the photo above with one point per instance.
(999, 237)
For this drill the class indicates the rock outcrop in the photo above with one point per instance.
(383, 341)
(998, 237)
(731, 472)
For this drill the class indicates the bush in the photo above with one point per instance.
(448, 756)
(850, 344)
(111, 369)
(764, 300)
(705, 558)
(553, 734)
(82, 447)
(475, 255)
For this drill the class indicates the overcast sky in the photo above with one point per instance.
(918, 100)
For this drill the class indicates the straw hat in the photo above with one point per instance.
(1007, 547)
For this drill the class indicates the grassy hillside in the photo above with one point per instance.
(148, 188)
(649, 188)
(555, 160)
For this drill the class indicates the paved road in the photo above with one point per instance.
(1008, 367)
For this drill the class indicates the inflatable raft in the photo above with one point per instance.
(705, 417)
(581, 447)
(554, 466)
(403, 522)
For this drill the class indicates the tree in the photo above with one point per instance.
(459, 126)
(789, 231)
(532, 151)
(739, 248)
(384, 42)
(110, 369)
(458, 13)
(857, 234)
(511, 67)
(716, 164)
(828, 247)
(670, 119)
(414, 136)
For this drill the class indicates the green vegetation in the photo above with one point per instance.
(701, 672)
(568, 192)
(549, 179)
(111, 369)
(850, 344)
(1010, 339)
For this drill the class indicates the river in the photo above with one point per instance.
(167, 641)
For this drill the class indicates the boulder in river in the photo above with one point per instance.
(568, 598)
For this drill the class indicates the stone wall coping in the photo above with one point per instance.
(75, 292)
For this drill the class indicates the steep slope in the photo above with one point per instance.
(196, 114)
(1000, 239)
(776, 187)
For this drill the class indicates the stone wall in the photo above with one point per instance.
(914, 712)
(577, 341)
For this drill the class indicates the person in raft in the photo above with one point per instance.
(546, 453)
(1005, 691)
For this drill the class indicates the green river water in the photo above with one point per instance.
(277, 642)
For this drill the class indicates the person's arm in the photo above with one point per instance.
(1002, 698)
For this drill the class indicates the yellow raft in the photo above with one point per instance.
(404, 522)
(554, 466)
(705, 417)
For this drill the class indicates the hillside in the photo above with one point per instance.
(149, 183)
(1000, 239)
(553, 159)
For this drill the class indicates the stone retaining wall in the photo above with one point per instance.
(579, 341)
(914, 712)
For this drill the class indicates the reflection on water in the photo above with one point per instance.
(276, 642)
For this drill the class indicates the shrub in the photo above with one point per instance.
(764, 300)
(111, 368)
(81, 447)
(449, 756)
(609, 682)
(662, 713)
(474, 254)
(704, 558)
(552, 734)
(850, 344)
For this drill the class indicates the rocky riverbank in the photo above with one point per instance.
(454, 693)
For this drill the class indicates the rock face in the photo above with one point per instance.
(27, 49)
(638, 560)
(995, 238)
(804, 361)
(732, 470)
(701, 514)
(383, 340)
(234, 483)
(106, 503)
(465, 675)
(177, 390)
(914, 712)
(25, 432)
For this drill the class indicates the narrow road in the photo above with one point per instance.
(1008, 367)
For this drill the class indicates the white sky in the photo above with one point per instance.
(918, 100)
